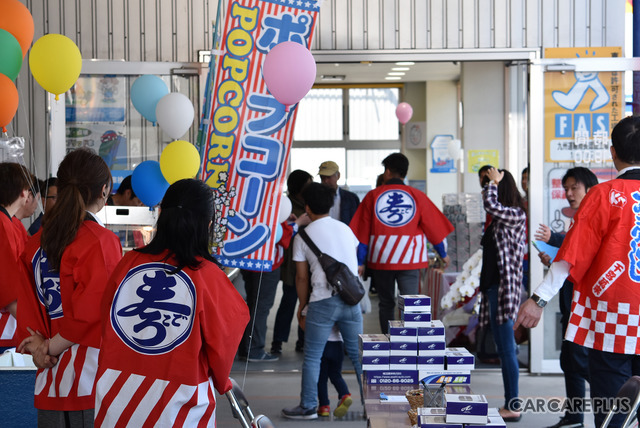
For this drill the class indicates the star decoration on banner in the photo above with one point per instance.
(234, 263)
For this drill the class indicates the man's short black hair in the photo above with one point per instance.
(397, 163)
(581, 175)
(297, 180)
(318, 197)
(526, 170)
(126, 185)
(625, 139)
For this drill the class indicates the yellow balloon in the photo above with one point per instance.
(55, 63)
(180, 159)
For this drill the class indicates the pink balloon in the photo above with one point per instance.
(404, 112)
(289, 71)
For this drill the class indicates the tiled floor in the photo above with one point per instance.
(271, 386)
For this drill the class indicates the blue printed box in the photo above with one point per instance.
(375, 363)
(431, 348)
(432, 332)
(403, 349)
(431, 362)
(436, 377)
(466, 408)
(415, 303)
(494, 422)
(374, 345)
(388, 377)
(403, 362)
(436, 422)
(398, 332)
(415, 319)
(462, 361)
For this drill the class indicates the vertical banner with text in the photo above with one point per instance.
(581, 108)
(250, 133)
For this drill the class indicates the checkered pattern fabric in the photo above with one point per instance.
(604, 326)
(509, 228)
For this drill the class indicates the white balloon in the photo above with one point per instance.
(285, 209)
(175, 114)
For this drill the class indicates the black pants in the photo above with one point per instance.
(574, 362)
(607, 373)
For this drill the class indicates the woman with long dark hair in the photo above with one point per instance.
(67, 265)
(501, 276)
(172, 322)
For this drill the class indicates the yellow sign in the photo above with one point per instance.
(581, 108)
(479, 158)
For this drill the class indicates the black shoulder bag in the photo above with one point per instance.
(339, 276)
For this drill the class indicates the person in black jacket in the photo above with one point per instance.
(345, 203)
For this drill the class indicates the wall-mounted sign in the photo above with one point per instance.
(478, 158)
(581, 108)
(441, 159)
(416, 135)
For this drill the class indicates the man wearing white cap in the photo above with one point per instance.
(345, 203)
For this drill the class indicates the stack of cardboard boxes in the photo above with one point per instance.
(415, 352)
(466, 213)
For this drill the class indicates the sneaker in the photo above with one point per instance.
(566, 423)
(343, 406)
(264, 357)
(276, 348)
(300, 413)
(324, 411)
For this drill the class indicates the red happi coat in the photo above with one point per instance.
(396, 221)
(167, 341)
(11, 245)
(68, 302)
(603, 249)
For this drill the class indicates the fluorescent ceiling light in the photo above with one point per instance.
(401, 69)
(392, 78)
(396, 73)
(332, 77)
(405, 63)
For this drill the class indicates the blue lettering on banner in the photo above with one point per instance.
(395, 208)
(634, 253)
(47, 284)
(153, 312)
(275, 115)
(285, 27)
(567, 123)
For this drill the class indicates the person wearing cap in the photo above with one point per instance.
(345, 203)
(393, 224)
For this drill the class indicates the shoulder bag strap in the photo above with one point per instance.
(312, 246)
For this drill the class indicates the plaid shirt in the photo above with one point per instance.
(509, 231)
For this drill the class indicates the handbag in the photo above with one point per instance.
(339, 276)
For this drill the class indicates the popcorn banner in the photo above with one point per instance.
(249, 133)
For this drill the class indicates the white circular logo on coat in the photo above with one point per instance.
(395, 208)
(152, 311)
(47, 284)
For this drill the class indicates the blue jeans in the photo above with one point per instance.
(321, 317)
(261, 292)
(506, 344)
(384, 281)
(331, 369)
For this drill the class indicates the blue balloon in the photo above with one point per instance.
(148, 183)
(146, 91)
(278, 233)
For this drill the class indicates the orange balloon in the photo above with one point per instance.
(17, 20)
(8, 101)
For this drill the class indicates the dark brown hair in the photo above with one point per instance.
(508, 193)
(13, 180)
(81, 177)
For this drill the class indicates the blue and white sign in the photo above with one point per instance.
(441, 159)
(152, 311)
(395, 208)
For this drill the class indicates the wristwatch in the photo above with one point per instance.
(539, 301)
